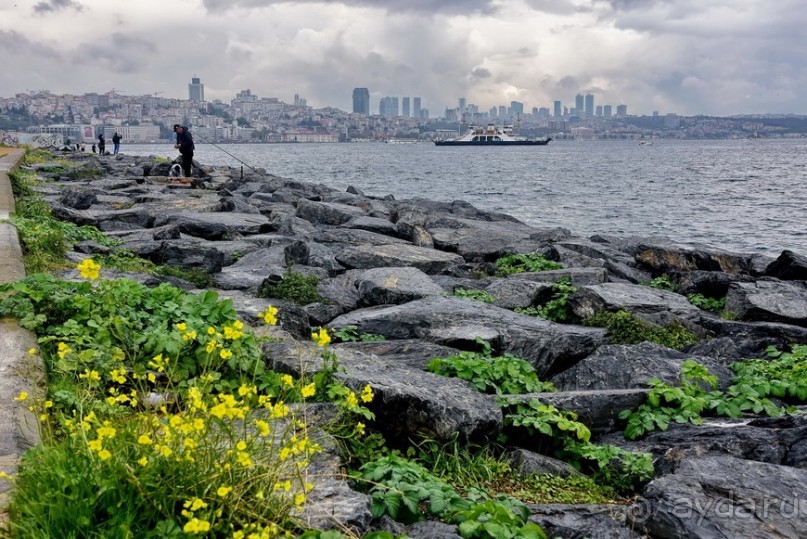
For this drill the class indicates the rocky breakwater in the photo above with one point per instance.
(391, 267)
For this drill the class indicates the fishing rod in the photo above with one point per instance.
(243, 163)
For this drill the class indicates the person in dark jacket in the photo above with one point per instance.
(116, 143)
(101, 144)
(185, 146)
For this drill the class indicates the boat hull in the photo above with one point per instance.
(492, 142)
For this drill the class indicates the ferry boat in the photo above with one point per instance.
(492, 135)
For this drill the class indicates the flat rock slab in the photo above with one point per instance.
(771, 301)
(392, 286)
(726, 498)
(455, 322)
(217, 225)
(636, 299)
(427, 260)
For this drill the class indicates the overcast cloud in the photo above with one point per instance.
(716, 57)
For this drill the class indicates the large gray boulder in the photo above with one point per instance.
(455, 322)
(407, 400)
(216, 225)
(392, 286)
(584, 521)
(788, 267)
(631, 367)
(769, 300)
(725, 498)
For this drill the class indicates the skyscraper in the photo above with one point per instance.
(517, 108)
(589, 106)
(416, 107)
(462, 102)
(405, 107)
(621, 111)
(558, 110)
(388, 106)
(361, 101)
(579, 107)
(196, 90)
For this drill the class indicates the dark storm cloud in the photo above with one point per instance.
(19, 45)
(120, 54)
(51, 6)
(426, 6)
(479, 73)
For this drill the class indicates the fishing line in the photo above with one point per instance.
(243, 163)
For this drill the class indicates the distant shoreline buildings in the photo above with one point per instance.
(250, 118)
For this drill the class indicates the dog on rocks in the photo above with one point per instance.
(175, 171)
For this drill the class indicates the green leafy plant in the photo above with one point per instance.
(198, 277)
(491, 374)
(664, 283)
(351, 334)
(295, 286)
(624, 328)
(557, 308)
(517, 263)
(539, 418)
(479, 295)
(707, 304)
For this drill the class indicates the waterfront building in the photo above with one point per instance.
(196, 90)
(361, 101)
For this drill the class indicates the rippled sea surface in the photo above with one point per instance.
(742, 195)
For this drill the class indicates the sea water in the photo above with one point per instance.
(747, 196)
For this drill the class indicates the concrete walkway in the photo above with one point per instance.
(19, 370)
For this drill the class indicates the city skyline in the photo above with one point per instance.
(712, 57)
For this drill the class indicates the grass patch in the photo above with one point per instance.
(624, 328)
(517, 263)
(295, 287)
(479, 295)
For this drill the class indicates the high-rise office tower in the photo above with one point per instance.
(196, 90)
(388, 106)
(502, 111)
(621, 111)
(405, 107)
(606, 111)
(579, 104)
(462, 105)
(598, 110)
(361, 101)
(416, 107)
(589, 106)
(517, 108)
(558, 109)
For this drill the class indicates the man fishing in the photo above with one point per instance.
(185, 146)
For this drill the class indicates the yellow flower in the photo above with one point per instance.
(196, 526)
(287, 380)
(104, 454)
(360, 428)
(367, 394)
(308, 391)
(22, 396)
(299, 499)
(270, 315)
(143, 461)
(322, 337)
(233, 333)
(241, 445)
(90, 375)
(48, 404)
(64, 349)
(224, 354)
(181, 326)
(189, 336)
(32, 351)
(263, 427)
(224, 491)
(144, 439)
(89, 269)
(351, 399)
(211, 330)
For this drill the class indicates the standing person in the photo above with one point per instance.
(116, 142)
(101, 144)
(185, 146)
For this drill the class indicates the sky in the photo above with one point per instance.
(714, 57)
